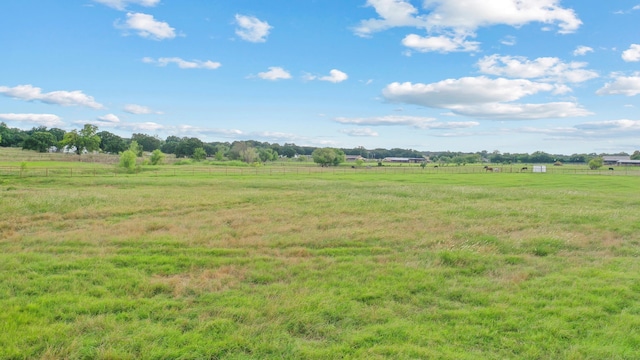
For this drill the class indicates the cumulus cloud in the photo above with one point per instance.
(413, 121)
(48, 120)
(64, 98)
(450, 22)
(392, 13)
(544, 69)
(183, 64)
(122, 4)
(252, 29)
(147, 26)
(582, 50)
(622, 85)
(364, 132)
(275, 73)
(467, 16)
(335, 76)
(632, 54)
(109, 118)
(606, 129)
(140, 110)
(443, 44)
(483, 98)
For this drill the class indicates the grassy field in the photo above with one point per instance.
(320, 265)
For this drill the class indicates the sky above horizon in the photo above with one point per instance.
(430, 75)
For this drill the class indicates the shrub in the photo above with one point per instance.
(157, 157)
(128, 160)
(595, 163)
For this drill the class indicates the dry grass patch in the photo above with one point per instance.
(199, 281)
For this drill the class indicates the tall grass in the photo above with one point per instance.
(322, 265)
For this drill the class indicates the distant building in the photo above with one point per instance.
(354, 158)
(613, 160)
(404, 160)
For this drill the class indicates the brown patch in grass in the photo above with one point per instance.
(202, 281)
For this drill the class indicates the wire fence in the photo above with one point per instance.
(275, 170)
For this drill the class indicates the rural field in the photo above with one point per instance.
(318, 265)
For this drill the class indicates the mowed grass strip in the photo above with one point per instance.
(365, 265)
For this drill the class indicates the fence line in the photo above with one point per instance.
(18, 171)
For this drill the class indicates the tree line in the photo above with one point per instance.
(88, 138)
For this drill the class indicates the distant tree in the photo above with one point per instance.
(157, 157)
(170, 145)
(40, 141)
(187, 146)
(11, 137)
(288, 151)
(635, 155)
(128, 160)
(58, 134)
(596, 163)
(83, 140)
(243, 151)
(267, 154)
(328, 156)
(148, 142)
(199, 154)
(111, 143)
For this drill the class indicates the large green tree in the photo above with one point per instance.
(328, 156)
(148, 142)
(40, 141)
(111, 143)
(187, 146)
(83, 140)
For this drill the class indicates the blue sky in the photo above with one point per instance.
(558, 76)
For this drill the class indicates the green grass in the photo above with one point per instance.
(320, 265)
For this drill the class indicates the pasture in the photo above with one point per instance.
(319, 265)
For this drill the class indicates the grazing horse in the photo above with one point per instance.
(524, 168)
(487, 168)
(611, 169)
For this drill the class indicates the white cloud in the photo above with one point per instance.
(275, 73)
(393, 13)
(252, 29)
(365, 132)
(183, 64)
(612, 125)
(443, 44)
(64, 98)
(450, 22)
(464, 91)
(483, 98)
(508, 40)
(48, 120)
(469, 15)
(582, 50)
(622, 85)
(510, 111)
(140, 110)
(109, 118)
(544, 69)
(147, 26)
(335, 76)
(112, 121)
(632, 54)
(413, 121)
(122, 4)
